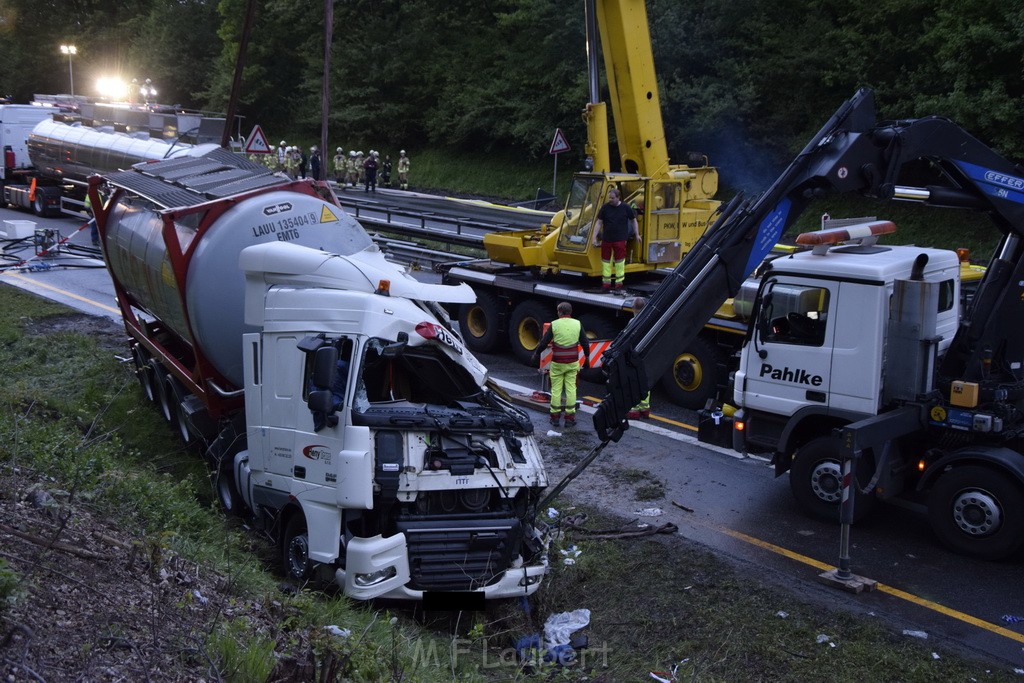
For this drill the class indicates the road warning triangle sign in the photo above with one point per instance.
(257, 143)
(559, 144)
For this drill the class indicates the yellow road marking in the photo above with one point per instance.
(895, 592)
(659, 418)
(58, 290)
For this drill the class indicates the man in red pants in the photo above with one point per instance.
(616, 223)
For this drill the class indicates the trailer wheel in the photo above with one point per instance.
(480, 323)
(144, 372)
(160, 387)
(977, 511)
(175, 396)
(227, 489)
(526, 327)
(39, 204)
(295, 549)
(694, 375)
(816, 479)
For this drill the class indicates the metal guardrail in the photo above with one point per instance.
(412, 254)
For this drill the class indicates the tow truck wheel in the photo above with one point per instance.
(694, 375)
(295, 546)
(144, 372)
(526, 327)
(816, 479)
(977, 511)
(480, 323)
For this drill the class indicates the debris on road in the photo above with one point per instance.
(649, 512)
(682, 507)
(915, 634)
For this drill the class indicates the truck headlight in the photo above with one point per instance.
(530, 580)
(373, 578)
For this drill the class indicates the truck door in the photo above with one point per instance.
(788, 360)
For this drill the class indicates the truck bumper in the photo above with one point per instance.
(378, 567)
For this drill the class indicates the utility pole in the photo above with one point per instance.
(325, 96)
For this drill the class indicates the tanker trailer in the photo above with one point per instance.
(337, 407)
(62, 156)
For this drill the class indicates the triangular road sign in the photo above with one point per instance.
(559, 144)
(257, 143)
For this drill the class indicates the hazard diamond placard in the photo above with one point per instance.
(559, 144)
(256, 143)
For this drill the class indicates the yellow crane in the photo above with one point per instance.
(673, 201)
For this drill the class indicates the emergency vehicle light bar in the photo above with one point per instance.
(861, 231)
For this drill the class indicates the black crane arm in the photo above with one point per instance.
(851, 153)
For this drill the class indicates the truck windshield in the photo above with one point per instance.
(418, 375)
(580, 211)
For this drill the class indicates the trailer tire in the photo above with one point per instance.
(526, 327)
(39, 204)
(144, 372)
(223, 480)
(977, 511)
(295, 549)
(816, 480)
(694, 375)
(480, 323)
(176, 395)
(160, 385)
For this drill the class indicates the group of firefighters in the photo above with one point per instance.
(349, 170)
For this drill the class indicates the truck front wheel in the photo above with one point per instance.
(977, 511)
(480, 323)
(295, 547)
(816, 479)
(694, 375)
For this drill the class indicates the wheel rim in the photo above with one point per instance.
(476, 322)
(529, 333)
(826, 481)
(977, 513)
(224, 491)
(687, 372)
(298, 556)
(179, 412)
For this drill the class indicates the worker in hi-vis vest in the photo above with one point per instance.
(566, 337)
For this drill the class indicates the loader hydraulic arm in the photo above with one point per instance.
(851, 153)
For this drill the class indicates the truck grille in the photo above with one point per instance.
(459, 554)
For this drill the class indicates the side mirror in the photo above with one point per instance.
(324, 362)
(321, 404)
(396, 349)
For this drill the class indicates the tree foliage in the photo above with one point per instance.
(744, 81)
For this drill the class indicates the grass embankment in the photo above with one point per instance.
(73, 418)
(73, 421)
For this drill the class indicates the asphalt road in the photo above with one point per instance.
(739, 508)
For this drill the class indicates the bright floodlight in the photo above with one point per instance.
(112, 88)
(68, 50)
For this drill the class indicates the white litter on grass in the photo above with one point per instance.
(552, 432)
(822, 638)
(338, 631)
(558, 628)
(570, 554)
(200, 597)
(649, 512)
(935, 655)
(552, 513)
(915, 634)
(782, 615)
(1019, 672)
